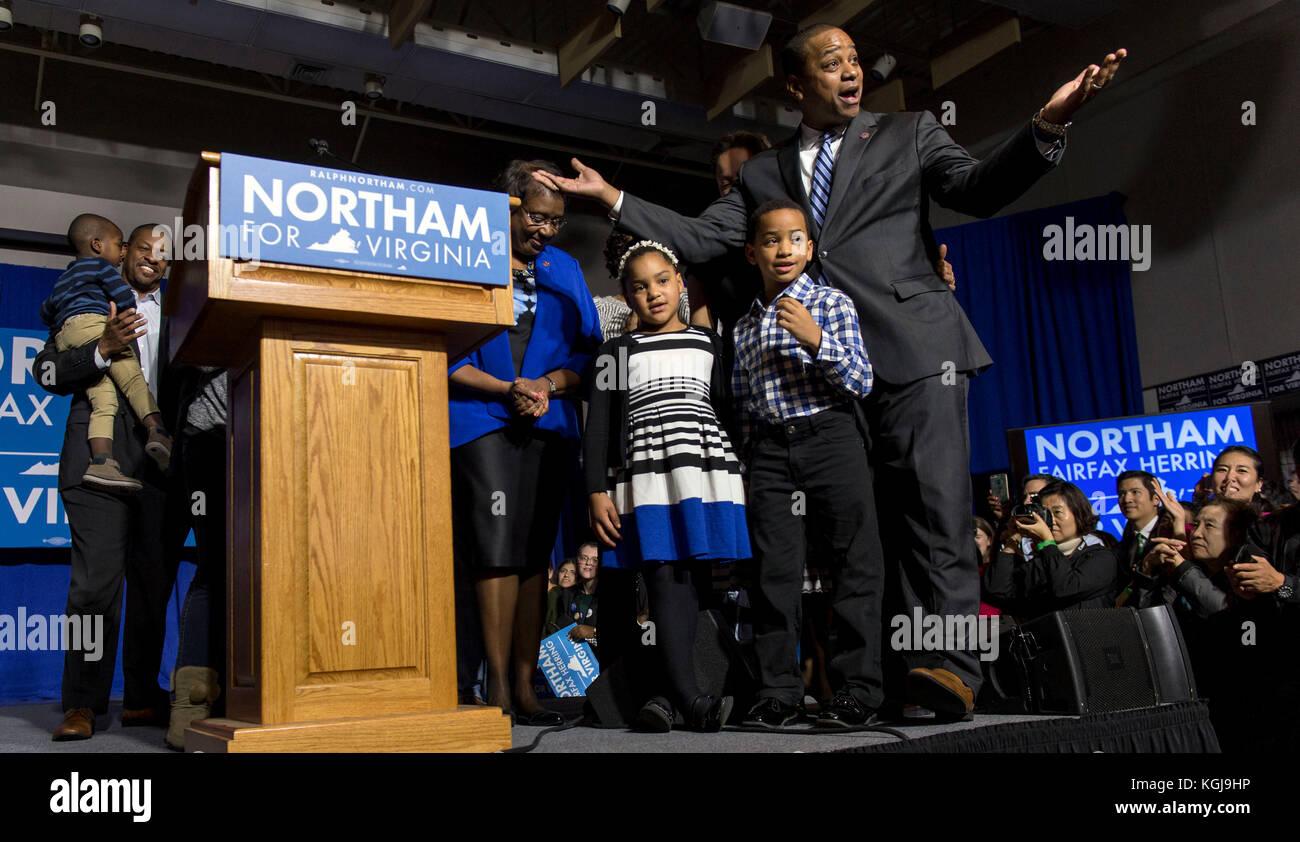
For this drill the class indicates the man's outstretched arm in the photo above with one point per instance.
(958, 181)
(721, 226)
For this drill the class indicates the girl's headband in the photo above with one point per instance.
(644, 244)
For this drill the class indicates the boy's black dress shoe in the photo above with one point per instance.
(844, 711)
(771, 714)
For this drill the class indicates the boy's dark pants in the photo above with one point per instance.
(822, 456)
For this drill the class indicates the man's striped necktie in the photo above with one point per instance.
(820, 194)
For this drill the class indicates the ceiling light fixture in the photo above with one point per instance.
(91, 32)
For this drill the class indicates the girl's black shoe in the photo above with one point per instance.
(709, 713)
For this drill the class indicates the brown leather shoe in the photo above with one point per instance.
(941, 691)
(155, 717)
(78, 724)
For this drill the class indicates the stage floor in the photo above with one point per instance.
(27, 728)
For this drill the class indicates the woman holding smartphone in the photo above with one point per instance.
(1196, 577)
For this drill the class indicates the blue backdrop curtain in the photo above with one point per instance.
(1061, 332)
(34, 569)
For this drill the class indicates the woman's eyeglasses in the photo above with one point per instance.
(541, 220)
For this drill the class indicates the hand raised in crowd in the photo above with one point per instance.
(604, 518)
(589, 183)
(995, 505)
(795, 318)
(1175, 508)
(1164, 552)
(944, 270)
(1082, 88)
(121, 330)
(1038, 530)
(530, 397)
(1253, 578)
(1204, 489)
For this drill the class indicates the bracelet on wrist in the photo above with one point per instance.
(1049, 542)
(1045, 126)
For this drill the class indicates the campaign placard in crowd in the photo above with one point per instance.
(310, 215)
(1178, 447)
(569, 667)
(31, 434)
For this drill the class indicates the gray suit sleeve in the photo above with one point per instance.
(1192, 581)
(720, 227)
(74, 369)
(956, 180)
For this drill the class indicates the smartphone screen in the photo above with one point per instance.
(1000, 488)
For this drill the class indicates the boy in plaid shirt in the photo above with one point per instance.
(800, 371)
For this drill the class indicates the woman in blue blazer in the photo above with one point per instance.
(514, 436)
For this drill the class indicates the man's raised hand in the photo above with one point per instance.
(589, 183)
(1082, 88)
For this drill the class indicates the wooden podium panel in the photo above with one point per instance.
(341, 633)
(352, 500)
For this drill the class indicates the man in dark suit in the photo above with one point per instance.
(865, 181)
(117, 538)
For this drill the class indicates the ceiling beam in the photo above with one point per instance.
(587, 44)
(747, 74)
(974, 52)
(331, 105)
(836, 12)
(403, 15)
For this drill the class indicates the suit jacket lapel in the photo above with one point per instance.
(859, 133)
(788, 161)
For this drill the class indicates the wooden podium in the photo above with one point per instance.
(341, 632)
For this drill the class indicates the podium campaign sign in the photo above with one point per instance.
(569, 667)
(307, 215)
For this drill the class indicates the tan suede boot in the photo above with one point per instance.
(194, 689)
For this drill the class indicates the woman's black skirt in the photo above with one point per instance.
(507, 492)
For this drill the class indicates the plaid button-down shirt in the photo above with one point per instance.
(776, 380)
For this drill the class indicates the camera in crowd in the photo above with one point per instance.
(1024, 512)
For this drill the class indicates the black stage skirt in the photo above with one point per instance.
(507, 492)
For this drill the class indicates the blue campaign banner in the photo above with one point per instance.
(31, 434)
(1178, 447)
(335, 219)
(569, 667)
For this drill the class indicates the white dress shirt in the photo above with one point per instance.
(810, 145)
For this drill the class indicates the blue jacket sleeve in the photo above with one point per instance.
(589, 336)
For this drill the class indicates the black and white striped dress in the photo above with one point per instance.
(679, 494)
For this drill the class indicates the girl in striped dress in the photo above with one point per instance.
(665, 486)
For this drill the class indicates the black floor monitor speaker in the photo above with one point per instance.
(1091, 661)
